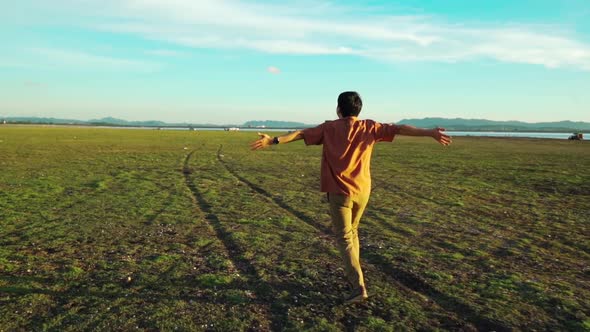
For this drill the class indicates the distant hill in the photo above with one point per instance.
(275, 124)
(108, 121)
(120, 122)
(489, 125)
(41, 120)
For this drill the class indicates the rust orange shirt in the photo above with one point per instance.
(346, 157)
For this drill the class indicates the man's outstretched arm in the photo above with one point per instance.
(436, 133)
(265, 140)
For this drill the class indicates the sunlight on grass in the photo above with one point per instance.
(127, 230)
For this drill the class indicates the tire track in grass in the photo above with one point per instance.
(297, 296)
(517, 234)
(405, 278)
(262, 291)
(447, 320)
(500, 226)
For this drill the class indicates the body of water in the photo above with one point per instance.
(513, 134)
(549, 135)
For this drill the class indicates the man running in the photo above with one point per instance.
(345, 172)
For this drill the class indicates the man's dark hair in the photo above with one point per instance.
(349, 103)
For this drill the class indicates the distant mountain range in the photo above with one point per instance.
(489, 125)
(449, 124)
(108, 121)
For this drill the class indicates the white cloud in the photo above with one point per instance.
(273, 70)
(60, 57)
(165, 53)
(329, 29)
(33, 84)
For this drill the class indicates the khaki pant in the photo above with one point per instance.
(346, 214)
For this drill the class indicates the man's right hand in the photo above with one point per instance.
(262, 142)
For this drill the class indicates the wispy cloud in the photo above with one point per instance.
(79, 59)
(332, 30)
(165, 53)
(33, 84)
(273, 70)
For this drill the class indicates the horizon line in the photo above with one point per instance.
(269, 120)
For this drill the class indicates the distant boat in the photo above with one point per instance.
(232, 129)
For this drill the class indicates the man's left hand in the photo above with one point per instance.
(439, 135)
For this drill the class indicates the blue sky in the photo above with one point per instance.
(221, 61)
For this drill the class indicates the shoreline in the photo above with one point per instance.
(455, 134)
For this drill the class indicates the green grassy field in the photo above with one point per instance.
(106, 229)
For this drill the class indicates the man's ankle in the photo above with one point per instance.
(357, 295)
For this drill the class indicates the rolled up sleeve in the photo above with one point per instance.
(385, 132)
(314, 136)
